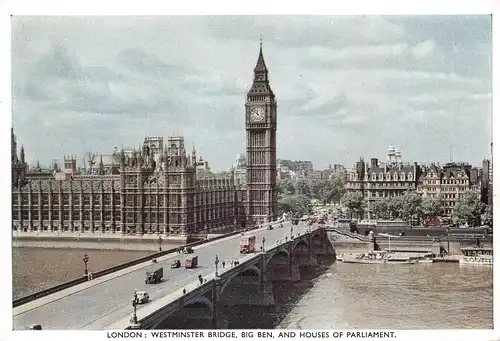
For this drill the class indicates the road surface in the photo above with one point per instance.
(98, 306)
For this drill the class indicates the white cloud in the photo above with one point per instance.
(346, 86)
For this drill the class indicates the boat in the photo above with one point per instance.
(477, 256)
(376, 257)
(378, 261)
(425, 261)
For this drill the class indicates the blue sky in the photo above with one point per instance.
(347, 86)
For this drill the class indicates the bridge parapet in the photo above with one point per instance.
(249, 283)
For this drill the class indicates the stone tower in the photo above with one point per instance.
(260, 123)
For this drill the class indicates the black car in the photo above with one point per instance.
(176, 264)
(188, 250)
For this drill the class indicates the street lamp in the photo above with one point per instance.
(159, 242)
(216, 266)
(291, 232)
(263, 242)
(448, 238)
(133, 319)
(85, 261)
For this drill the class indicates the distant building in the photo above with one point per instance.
(296, 166)
(449, 183)
(155, 189)
(376, 180)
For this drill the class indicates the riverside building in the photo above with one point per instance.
(155, 189)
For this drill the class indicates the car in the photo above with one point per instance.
(188, 249)
(35, 327)
(176, 264)
(270, 227)
(142, 297)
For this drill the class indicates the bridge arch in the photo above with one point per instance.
(250, 270)
(281, 254)
(199, 301)
(302, 241)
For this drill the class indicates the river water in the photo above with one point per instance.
(35, 269)
(335, 296)
(420, 296)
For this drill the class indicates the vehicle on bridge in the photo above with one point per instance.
(247, 244)
(35, 327)
(191, 263)
(142, 297)
(188, 250)
(154, 276)
(176, 264)
(270, 227)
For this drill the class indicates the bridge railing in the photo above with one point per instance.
(347, 233)
(42, 293)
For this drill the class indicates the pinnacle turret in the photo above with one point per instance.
(260, 84)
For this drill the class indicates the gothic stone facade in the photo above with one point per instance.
(261, 122)
(156, 189)
(144, 198)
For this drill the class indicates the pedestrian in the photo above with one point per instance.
(184, 291)
(232, 263)
(223, 264)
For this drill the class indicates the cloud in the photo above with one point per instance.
(346, 86)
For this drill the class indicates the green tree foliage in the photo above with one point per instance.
(487, 216)
(394, 207)
(354, 201)
(410, 205)
(380, 209)
(286, 186)
(468, 209)
(430, 207)
(302, 187)
(297, 204)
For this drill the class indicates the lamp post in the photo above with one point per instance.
(159, 242)
(448, 238)
(133, 319)
(263, 242)
(85, 261)
(291, 231)
(216, 266)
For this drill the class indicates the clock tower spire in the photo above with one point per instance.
(261, 124)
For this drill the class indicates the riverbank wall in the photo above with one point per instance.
(98, 242)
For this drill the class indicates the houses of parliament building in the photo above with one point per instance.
(155, 189)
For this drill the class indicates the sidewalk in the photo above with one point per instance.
(80, 287)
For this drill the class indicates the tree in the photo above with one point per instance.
(354, 201)
(380, 209)
(468, 209)
(295, 203)
(410, 206)
(286, 186)
(303, 188)
(430, 207)
(487, 216)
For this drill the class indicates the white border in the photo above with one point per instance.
(95, 7)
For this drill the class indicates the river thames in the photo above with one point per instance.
(338, 296)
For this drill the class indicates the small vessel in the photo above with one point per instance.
(377, 257)
(425, 261)
(477, 256)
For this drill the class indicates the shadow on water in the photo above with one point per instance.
(286, 296)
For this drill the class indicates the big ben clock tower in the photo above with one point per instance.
(260, 122)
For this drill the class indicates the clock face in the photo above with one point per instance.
(257, 114)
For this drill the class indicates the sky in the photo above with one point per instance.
(347, 86)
